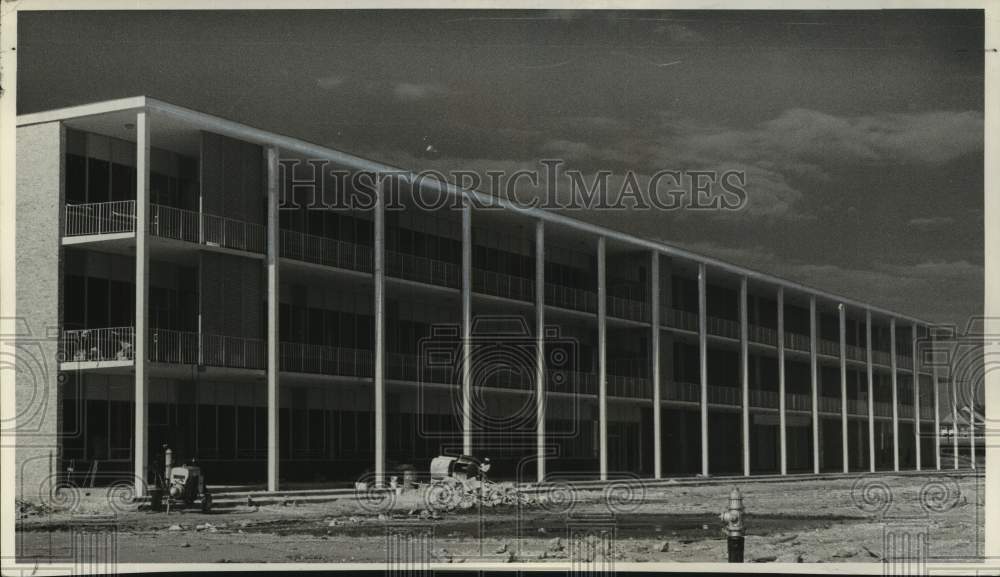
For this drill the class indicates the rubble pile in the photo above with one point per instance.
(451, 494)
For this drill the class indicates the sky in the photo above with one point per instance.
(860, 133)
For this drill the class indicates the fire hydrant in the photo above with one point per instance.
(735, 529)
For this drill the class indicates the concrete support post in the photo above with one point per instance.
(895, 394)
(467, 328)
(954, 418)
(378, 308)
(782, 423)
(916, 392)
(602, 356)
(972, 429)
(871, 390)
(814, 381)
(140, 435)
(273, 398)
(937, 412)
(540, 344)
(845, 446)
(654, 349)
(703, 364)
(745, 374)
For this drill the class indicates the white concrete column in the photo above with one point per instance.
(895, 394)
(782, 424)
(937, 409)
(540, 345)
(954, 417)
(378, 278)
(871, 390)
(916, 391)
(654, 349)
(273, 399)
(745, 374)
(467, 328)
(814, 381)
(141, 432)
(703, 364)
(602, 356)
(972, 429)
(842, 312)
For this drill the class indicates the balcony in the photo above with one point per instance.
(325, 251)
(98, 345)
(763, 335)
(798, 402)
(679, 319)
(412, 368)
(630, 387)
(797, 342)
(503, 285)
(118, 217)
(883, 409)
(99, 218)
(906, 411)
(423, 270)
(829, 404)
(764, 399)
(857, 406)
(856, 353)
(828, 348)
(730, 396)
(723, 327)
(682, 391)
(570, 298)
(623, 308)
(581, 383)
(927, 411)
(325, 360)
(904, 362)
(881, 358)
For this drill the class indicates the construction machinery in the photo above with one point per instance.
(182, 484)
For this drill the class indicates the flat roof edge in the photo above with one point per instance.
(82, 110)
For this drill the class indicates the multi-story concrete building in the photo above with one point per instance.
(281, 345)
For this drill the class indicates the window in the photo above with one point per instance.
(76, 179)
(98, 180)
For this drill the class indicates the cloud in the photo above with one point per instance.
(414, 91)
(930, 223)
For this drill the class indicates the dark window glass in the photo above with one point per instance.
(97, 302)
(98, 180)
(206, 431)
(74, 302)
(245, 436)
(76, 179)
(227, 431)
(122, 182)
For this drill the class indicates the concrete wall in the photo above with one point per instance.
(39, 200)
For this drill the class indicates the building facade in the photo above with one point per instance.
(178, 287)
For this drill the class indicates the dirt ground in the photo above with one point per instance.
(835, 520)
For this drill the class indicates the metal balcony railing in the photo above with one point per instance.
(927, 411)
(764, 399)
(99, 218)
(856, 353)
(169, 346)
(763, 335)
(904, 348)
(904, 362)
(683, 391)
(883, 409)
(623, 308)
(422, 269)
(829, 404)
(104, 344)
(503, 285)
(798, 402)
(725, 395)
(175, 223)
(629, 387)
(233, 352)
(828, 348)
(505, 378)
(905, 411)
(857, 407)
(570, 298)
(325, 360)
(235, 234)
(881, 358)
(325, 251)
(413, 368)
(797, 342)
(723, 327)
(679, 319)
(581, 383)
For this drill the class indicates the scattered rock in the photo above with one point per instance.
(556, 544)
(787, 538)
(383, 517)
(501, 549)
(542, 530)
(794, 557)
(665, 547)
(764, 559)
(186, 545)
(175, 528)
